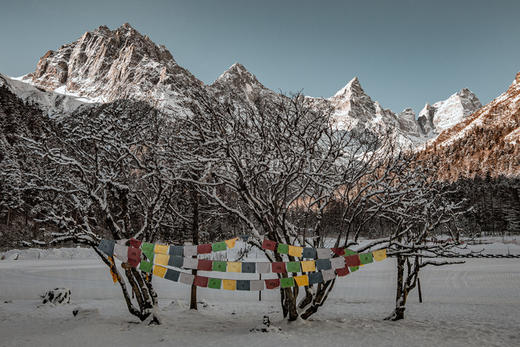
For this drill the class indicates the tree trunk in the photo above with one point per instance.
(401, 292)
(195, 240)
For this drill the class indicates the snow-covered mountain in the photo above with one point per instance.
(106, 65)
(487, 141)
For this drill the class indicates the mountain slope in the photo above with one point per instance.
(488, 141)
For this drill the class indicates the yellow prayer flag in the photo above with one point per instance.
(231, 243)
(229, 284)
(161, 249)
(114, 275)
(308, 266)
(234, 266)
(161, 259)
(159, 271)
(379, 254)
(302, 281)
(295, 251)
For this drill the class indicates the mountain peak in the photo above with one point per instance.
(237, 77)
(353, 87)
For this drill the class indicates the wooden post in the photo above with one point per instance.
(260, 292)
(419, 289)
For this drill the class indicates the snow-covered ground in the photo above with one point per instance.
(477, 303)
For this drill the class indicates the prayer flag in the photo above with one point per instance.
(200, 281)
(353, 268)
(218, 246)
(231, 243)
(328, 275)
(263, 268)
(272, 283)
(234, 266)
(278, 267)
(379, 254)
(161, 259)
(282, 249)
(295, 251)
(352, 260)
(323, 264)
(302, 281)
(256, 285)
(107, 247)
(190, 263)
(204, 264)
(268, 244)
(177, 251)
(308, 266)
(309, 253)
(121, 252)
(176, 261)
(229, 284)
(186, 278)
(243, 285)
(315, 277)
(159, 271)
(248, 268)
(204, 249)
(337, 263)
(343, 271)
(161, 249)
(214, 283)
(145, 266)
(323, 253)
(293, 266)
(366, 258)
(134, 256)
(135, 243)
(147, 249)
(349, 252)
(219, 266)
(114, 275)
(287, 282)
(190, 251)
(338, 251)
(172, 275)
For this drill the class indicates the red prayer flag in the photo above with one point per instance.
(271, 284)
(268, 244)
(134, 256)
(135, 243)
(204, 265)
(278, 267)
(200, 281)
(338, 251)
(342, 272)
(352, 260)
(204, 249)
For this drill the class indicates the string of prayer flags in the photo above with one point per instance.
(282, 248)
(302, 281)
(315, 278)
(342, 272)
(352, 260)
(172, 275)
(191, 263)
(219, 266)
(269, 245)
(323, 264)
(200, 281)
(214, 283)
(234, 266)
(107, 247)
(204, 264)
(159, 271)
(278, 267)
(161, 259)
(263, 268)
(293, 266)
(308, 266)
(328, 275)
(248, 267)
(337, 263)
(256, 285)
(148, 250)
(309, 253)
(176, 251)
(243, 285)
(379, 254)
(161, 249)
(323, 253)
(204, 249)
(146, 266)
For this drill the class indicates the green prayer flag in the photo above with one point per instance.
(146, 266)
(283, 249)
(293, 266)
(354, 268)
(366, 258)
(219, 266)
(349, 252)
(147, 249)
(218, 246)
(287, 282)
(214, 283)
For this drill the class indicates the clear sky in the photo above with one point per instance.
(405, 53)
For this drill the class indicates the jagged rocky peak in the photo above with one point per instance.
(110, 64)
(238, 76)
(454, 109)
(407, 122)
(425, 119)
(352, 89)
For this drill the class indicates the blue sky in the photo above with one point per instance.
(405, 53)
